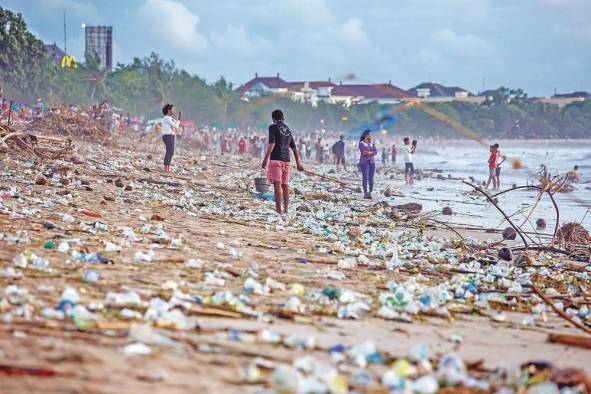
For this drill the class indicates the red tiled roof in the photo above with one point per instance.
(270, 82)
(374, 91)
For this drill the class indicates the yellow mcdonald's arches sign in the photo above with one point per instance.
(69, 61)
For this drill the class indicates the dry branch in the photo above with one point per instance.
(489, 198)
(559, 311)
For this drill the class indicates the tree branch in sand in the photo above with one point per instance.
(489, 198)
(542, 190)
(558, 311)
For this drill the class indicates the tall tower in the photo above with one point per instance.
(99, 42)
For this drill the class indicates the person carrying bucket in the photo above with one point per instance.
(277, 159)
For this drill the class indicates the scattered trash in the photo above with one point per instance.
(336, 257)
(92, 276)
(136, 349)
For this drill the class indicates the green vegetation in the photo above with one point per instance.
(145, 85)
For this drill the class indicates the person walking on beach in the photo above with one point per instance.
(326, 153)
(242, 146)
(277, 159)
(407, 152)
(492, 166)
(384, 155)
(367, 163)
(169, 129)
(338, 149)
(319, 151)
(394, 154)
(500, 160)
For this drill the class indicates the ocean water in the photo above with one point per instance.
(464, 159)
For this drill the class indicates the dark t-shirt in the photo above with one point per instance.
(280, 135)
(339, 148)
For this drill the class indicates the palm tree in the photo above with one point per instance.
(224, 92)
(94, 75)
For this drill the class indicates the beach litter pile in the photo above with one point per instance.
(167, 282)
(72, 123)
(37, 147)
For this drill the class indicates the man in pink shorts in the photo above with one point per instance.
(278, 159)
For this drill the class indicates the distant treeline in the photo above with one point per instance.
(143, 86)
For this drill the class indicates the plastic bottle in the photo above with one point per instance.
(39, 263)
(63, 247)
(68, 301)
(68, 218)
(92, 276)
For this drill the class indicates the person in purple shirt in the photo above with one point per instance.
(367, 163)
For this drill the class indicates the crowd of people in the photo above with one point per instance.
(317, 146)
(274, 149)
(17, 111)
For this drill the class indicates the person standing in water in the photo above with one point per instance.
(367, 163)
(278, 159)
(500, 160)
(492, 166)
(573, 175)
(169, 129)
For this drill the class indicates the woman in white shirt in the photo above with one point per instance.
(169, 128)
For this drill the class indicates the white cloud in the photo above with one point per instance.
(233, 38)
(171, 24)
(460, 43)
(305, 13)
(352, 33)
(54, 9)
(237, 41)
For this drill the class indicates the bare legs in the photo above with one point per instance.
(492, 178)
(281, 193)
(285, 197)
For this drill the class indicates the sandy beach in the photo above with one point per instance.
(258, 293)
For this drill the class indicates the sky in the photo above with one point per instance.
(536, 45)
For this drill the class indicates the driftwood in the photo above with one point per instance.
(40, 147)
(447, 226)
(325, 177)
(157, 182)
(570, 340)
(70, 124)
(571, 233)
(22, 370)
(561, 313)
